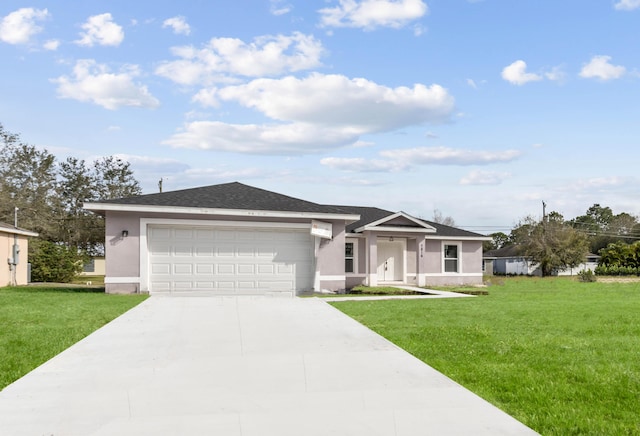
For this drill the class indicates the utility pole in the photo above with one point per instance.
(160, 185)
(544, 211)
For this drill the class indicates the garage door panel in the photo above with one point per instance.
(225, 269)
(204, 269)
(160, 268)
(246, 269)
(182, 268)
(230, 260)
(204, 251)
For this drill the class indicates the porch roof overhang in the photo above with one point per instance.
(415, 226)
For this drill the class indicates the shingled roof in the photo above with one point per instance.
(227, 196)
(369, 215)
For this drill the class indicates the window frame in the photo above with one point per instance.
(353, 257)
(457, 259)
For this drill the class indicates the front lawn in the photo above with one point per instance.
(559, 355)
(36, 323)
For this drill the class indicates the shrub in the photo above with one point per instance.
(51, 262)
(586, 276)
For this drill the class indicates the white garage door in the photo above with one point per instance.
(229, 260)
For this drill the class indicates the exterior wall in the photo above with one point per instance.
(469, 263)
(122, 254)
(591, 266)
(330, 260)
(6, 252)
(358, 277)
(123, 274)
(411, 262)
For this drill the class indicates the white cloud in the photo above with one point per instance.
(178, 24)
(92, 82)
(600, 68)
(282, 139)
(362, 165)
(516, 73)
(478, 177)
(51, 45)
(404, 159)
(101, 30)
(556, 74)
(370, 14)
(19, 26)
(224, 57)
(451, 156)
(359, 105)
(313, 114)
(280, 7)
(627, 5)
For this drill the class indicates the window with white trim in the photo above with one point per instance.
(451, 258)
(349, 257)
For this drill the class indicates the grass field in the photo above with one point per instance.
(561, 356)
(36, 323)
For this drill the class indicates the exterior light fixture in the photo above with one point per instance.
(125, 233)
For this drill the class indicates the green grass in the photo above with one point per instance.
(561, 356)
(36, 323)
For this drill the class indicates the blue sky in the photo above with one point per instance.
(480, 109)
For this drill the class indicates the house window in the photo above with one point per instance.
(349, 257)
(451, 258)
(90, 266)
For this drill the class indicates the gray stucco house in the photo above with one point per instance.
(237, 239)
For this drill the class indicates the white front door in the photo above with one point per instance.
(390, 261)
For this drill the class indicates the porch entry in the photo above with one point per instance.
(391, 260)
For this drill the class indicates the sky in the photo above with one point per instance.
(480, 110)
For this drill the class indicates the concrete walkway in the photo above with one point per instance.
(244, 366)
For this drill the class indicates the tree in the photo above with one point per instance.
(51, 262)
(440, 219)
(28, 182)
(552, 244)
(78, 227)
(114, 179)
(500, 240)
(50, 197)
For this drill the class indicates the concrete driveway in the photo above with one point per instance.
(241, 366)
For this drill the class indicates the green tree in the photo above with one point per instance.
(78, 227)
(552, 244)
(114, 179)
(500, 240)
(28, 182)
(51, 262)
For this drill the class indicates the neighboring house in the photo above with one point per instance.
(14, 247)
(508, 261)
(234, 238)
(94, 267)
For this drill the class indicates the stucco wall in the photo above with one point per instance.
(123, 253)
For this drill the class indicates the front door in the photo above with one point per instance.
(390, 261)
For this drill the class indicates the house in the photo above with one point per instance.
(508, 260)
(237, 239)
(95, 266)
(14, 247)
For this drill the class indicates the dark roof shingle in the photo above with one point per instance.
(227, 196)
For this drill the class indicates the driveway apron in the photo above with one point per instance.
(244, 366)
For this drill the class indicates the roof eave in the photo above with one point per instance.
(394, 229)
(20, 232)
(104, 207)
(460, 238)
